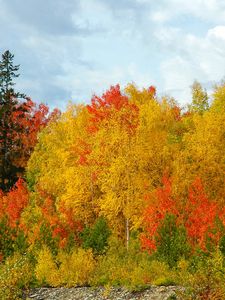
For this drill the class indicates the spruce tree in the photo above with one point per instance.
(9, 104)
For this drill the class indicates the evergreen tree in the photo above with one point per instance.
(9, 105)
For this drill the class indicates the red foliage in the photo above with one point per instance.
(177, 113)
(60, 220)
(152, 90)
(29, 119)
(156, 212)
(199, 215)
(112, 98)
(102, 108)
(14, 203)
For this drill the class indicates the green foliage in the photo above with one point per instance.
(96, 237)
(6, 241)
(130, 268)
(8, 105)
(11, 240)
(202, 276)
(171, 241)
(222, 245)
(47, 239)
(207, 281)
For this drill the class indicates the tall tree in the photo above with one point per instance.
(200, 99)
(20, 121)
(8, 105)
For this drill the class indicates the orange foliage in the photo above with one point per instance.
(112, 101)
(61, 221)
(156, 212)
(199, 215)
(177, 113)
(152, 90)
(29, 119)
(13, 203)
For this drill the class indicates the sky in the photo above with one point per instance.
(69, 50)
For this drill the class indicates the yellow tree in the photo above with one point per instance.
(200, 99)
(202, 154)
(54, 165)
(131, 143)
(101, 159)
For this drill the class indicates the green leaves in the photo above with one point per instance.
(171, 241)
(96, 236)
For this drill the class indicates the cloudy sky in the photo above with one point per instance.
(71, 49)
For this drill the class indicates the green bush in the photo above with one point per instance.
(132, 268)
(171, 241)
(11, 240)
(46, 239)
(6, 240)
(96, 237)
(222, 245)
(202, 276)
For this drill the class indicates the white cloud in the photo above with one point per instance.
(217, 32)
(208, 10)
(159, 16)
(98, 81)
(200, 58)
(83, 47)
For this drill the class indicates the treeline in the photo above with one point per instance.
(127, 190)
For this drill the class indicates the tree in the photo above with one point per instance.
(202, 219)
(199, 99)
(20, 122)
(7, 72)
(8, 106)
(100, 157)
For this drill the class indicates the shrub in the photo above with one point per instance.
(203, 277)
(171, 241)
(15, 274)
(222, 245)
(76, 268)
(69, 269)
(6, 239)
(208, 280)
(96, 237)
(133, 269)
(46, 270)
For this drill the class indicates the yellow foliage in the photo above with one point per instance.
(110, 170)
(132, 269)
(46, 270)
(76, 268)
(72, 269)
(203, 156)
(206, 282)
(16, 273)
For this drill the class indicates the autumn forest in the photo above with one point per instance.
(127, 190)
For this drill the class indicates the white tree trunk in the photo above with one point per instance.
(127, 234)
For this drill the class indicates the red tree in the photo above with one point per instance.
(200, 215)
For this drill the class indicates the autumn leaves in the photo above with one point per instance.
(128, 156)
(107, 158)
